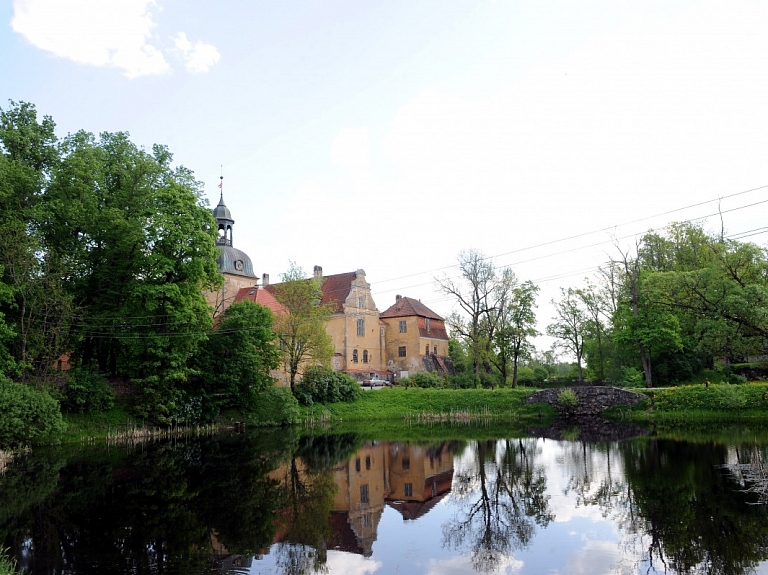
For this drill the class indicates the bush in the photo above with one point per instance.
(465, 381)
(567, 400)
(275, 406)
(526, 375)
(540, 375)
(27, 415)
(323, 385)
(633, 377)
(87, 390)
(424, 379)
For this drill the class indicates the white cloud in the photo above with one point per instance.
(199, 57)
(113, 33)
(340, 562)
(109, 33)
(462, 565)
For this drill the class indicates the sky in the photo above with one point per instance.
(392, 135)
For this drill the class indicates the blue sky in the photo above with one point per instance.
(391, 135)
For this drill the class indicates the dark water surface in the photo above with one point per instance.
(289, 503)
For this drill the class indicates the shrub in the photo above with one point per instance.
(426, 380)
(465, 381)
(275, 406)
(526, 375)
(567, 400)
(540, 374)
(27, 415)
(87, 390)
(323, 385)
(633, 377)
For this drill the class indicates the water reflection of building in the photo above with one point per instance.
(226, 563)
(408, 478)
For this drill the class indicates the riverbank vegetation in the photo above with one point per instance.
(106, 250)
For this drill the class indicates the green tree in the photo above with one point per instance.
(570, 326)
(516, 325)
(33, 271)
(301, 330)
(239, 355)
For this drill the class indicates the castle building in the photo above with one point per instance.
(234, 264)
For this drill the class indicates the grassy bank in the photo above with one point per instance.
(419, 406)
(697, 404)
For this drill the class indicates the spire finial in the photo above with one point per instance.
(221, 182)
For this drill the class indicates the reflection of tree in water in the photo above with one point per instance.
(751, 472)
(500, 498)
(688, 514)
(308, 490)
(154, 511)
(596, 475)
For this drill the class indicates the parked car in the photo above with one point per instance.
(372, 383)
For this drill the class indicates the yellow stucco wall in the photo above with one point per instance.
(342, 327)
(415, 345)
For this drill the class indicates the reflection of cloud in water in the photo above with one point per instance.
(595, 558)
(351, 564)
(462, 565)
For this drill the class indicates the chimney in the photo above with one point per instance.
(318, 273)
(264, 280)
(398, 297)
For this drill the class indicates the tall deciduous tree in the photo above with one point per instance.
(516, 327)
(480, 291)
(303, 338)
(570, 325)
(239, 355)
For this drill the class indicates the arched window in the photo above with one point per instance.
(365, 356)
(361, 327)
(354, 356)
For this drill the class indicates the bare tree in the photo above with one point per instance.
(480, 291)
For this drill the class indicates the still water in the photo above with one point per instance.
(291, 503)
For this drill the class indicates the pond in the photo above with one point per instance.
(290, 502)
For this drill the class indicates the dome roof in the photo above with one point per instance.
(233, 261)
(221, 211)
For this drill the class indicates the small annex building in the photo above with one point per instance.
(416, 339)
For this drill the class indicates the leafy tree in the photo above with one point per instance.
(570, 325)
(516, 325)
(301, 331)
(31, 284)
(240, 354)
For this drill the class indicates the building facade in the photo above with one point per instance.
(415, 339)
(234, 264)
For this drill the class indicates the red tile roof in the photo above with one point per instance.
(407, 306)
(260, 296)
(335, 290)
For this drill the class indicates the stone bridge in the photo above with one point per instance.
(592, 400)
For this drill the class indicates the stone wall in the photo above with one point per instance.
(592, 400)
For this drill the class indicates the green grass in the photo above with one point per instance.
(7, 565)
(418, 405)
(691, 404)
(99, 425)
